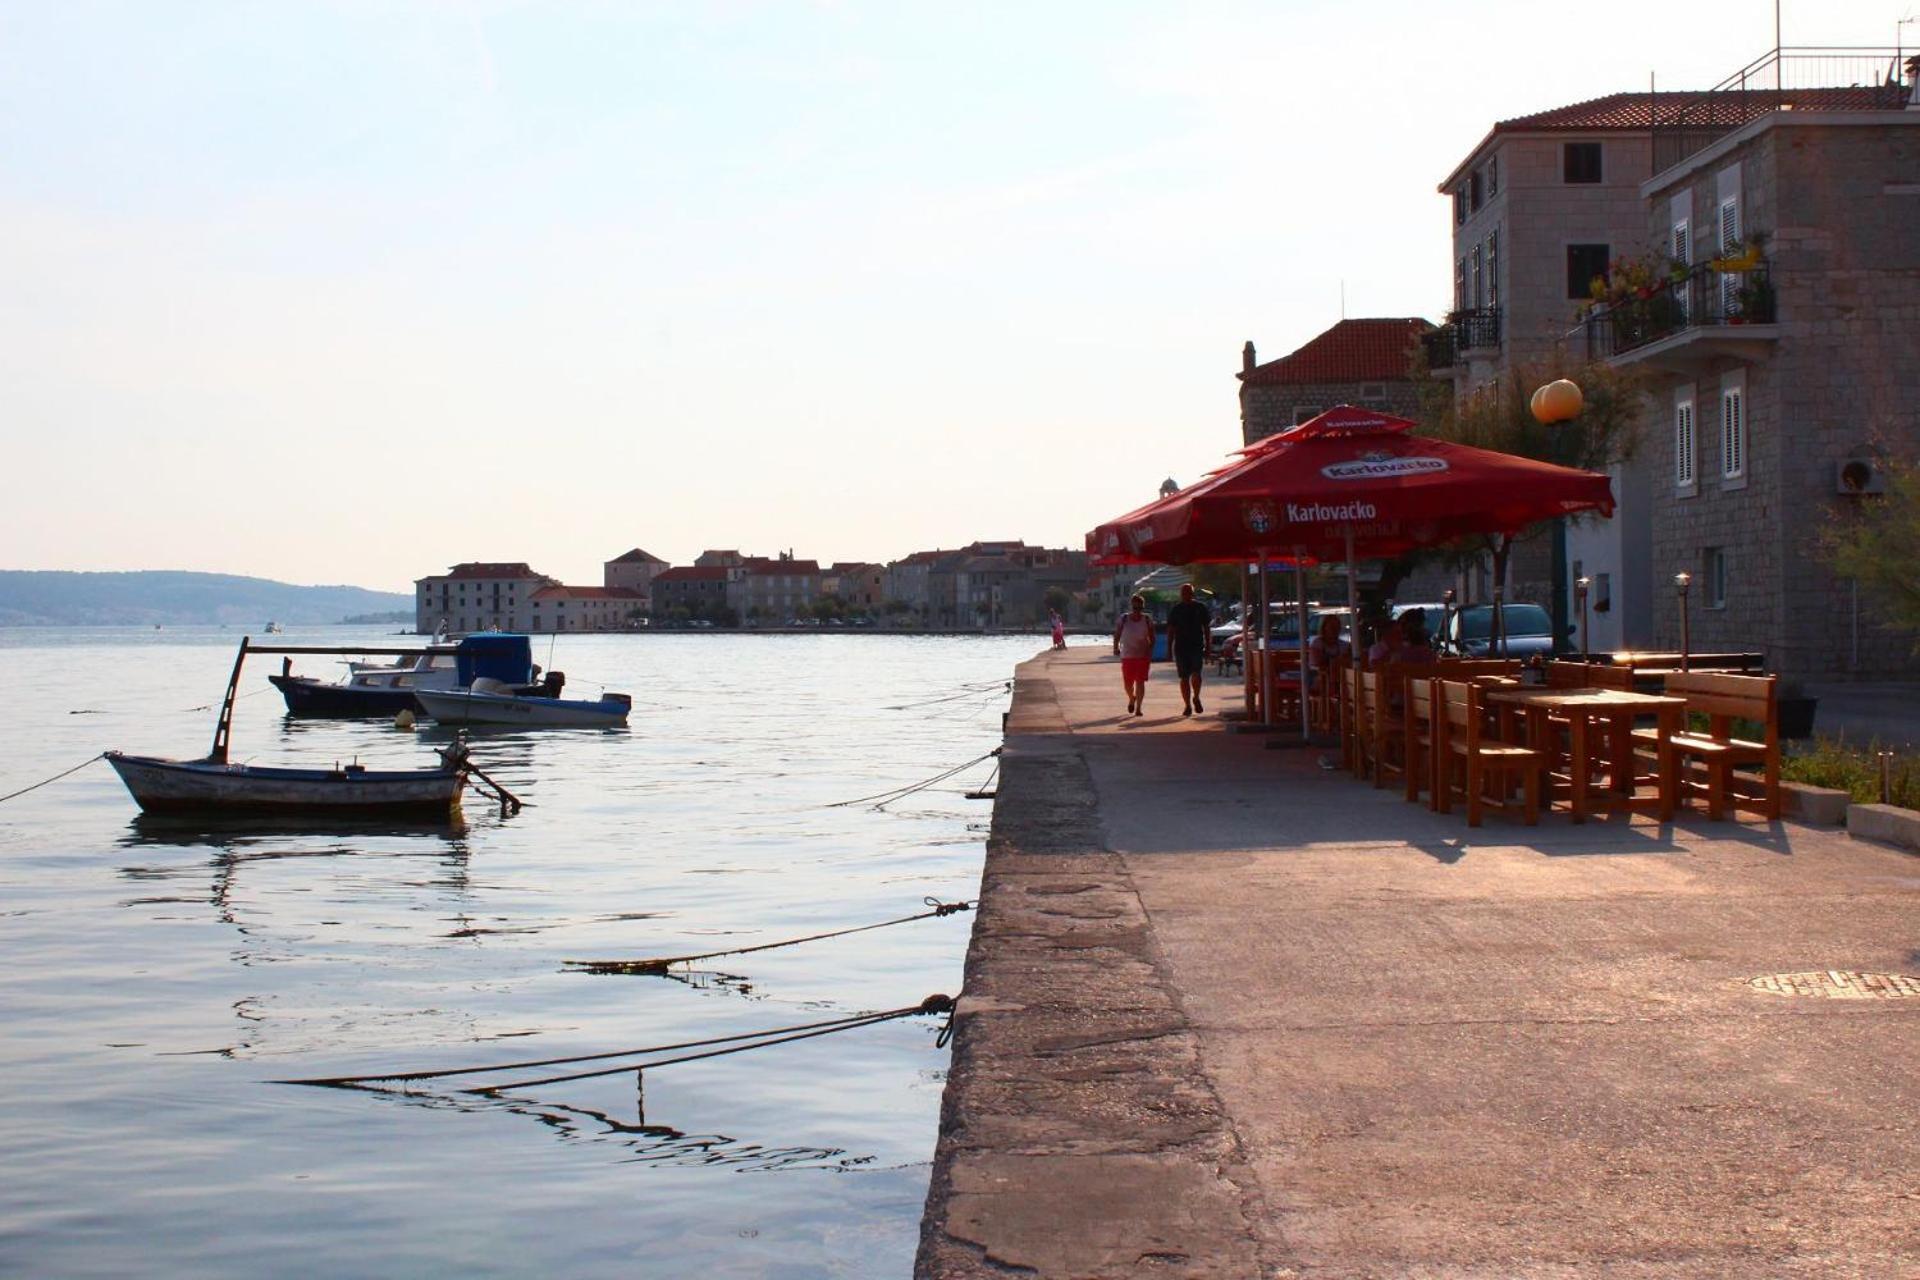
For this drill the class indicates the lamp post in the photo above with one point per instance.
(1555, 405)
(1681, 582)
(1446, 617)
(1580, 586)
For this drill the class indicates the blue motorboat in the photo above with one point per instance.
(382, 692)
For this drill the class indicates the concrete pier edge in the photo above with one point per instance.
(1079, 1133)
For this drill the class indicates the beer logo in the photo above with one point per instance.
(1258, 516)
(1376, 466)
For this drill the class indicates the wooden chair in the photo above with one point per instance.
(1420, 732)
(1588, 675)
(1366, 695)
(1461, 668)
(1466, 752)
(1387, 736)
(1722, 699)
(1278, 665)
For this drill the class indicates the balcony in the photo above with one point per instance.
(1680, 324)
(1463, 333)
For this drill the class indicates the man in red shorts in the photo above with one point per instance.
(1133, 642)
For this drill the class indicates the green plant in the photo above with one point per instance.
(1877, 543)
(1830, 762)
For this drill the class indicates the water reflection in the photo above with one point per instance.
(240, 832)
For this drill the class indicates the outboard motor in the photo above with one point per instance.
(553, 684)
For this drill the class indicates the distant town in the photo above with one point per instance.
(980, 586)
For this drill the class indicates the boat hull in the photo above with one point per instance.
(201, 787)
(463, 706)
(312, 698)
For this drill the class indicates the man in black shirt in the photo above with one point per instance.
(1190, 639)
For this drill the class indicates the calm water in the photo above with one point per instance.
(154, 982)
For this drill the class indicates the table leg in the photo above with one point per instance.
(1669, 764)
(1577, 740)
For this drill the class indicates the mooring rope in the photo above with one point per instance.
(738, 1043)
(55, 778)
(886, 798)
(988, 687)
(662, 964)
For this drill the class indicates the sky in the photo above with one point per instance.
(352, 292)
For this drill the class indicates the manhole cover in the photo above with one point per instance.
(1839, 984)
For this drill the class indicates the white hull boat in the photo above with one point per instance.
(478, 706)
(209, 786)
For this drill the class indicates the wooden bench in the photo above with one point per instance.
(1723, 699)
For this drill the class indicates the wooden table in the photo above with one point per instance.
(1617, 710)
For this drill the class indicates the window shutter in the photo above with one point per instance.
(1493, 267)
(1683, 444)
(1729, 240)
(1733, 435)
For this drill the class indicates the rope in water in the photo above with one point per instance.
(739, 1043)
(886, 798)
(990, 688)
(55, 778)
(662, 964)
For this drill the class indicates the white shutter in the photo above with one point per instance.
(1682, 248)
(1683, 254)
(1733, 435)
(1683, 451)
(1729, 241)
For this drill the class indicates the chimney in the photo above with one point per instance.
(1246, 357)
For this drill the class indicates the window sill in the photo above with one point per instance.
(1730, 483)
(1686, 491)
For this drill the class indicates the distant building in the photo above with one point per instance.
(857, 584)
(563, 608)
(699, 589)
(632, 571)
(478, 596)
(1360, 362)
(776, 591)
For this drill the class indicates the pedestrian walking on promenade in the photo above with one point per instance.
(1133, 642)
(1059, 628)
(1190, 637)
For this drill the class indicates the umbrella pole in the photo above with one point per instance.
(1266, 637)
(1246, 636)
(1300, 594)
(1353, 596)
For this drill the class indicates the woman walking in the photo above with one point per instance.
(1133, 642)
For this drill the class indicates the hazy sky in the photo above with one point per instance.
(349, 292)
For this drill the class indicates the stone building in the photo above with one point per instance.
(564, 608)
(1359, 362)
(699, 589)
(632, 571)
(775, 591)
(477, 596)
(1787, 360)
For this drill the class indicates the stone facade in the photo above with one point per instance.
(1364, 362)
(477, 596)
(1837, 378)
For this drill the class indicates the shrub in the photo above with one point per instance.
(1830, 762)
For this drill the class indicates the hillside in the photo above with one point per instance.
(179, 598)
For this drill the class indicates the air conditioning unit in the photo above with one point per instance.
(1859, 476)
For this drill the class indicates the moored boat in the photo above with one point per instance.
(213, 787)
(201, 786)
(479, 705)
(382, 691)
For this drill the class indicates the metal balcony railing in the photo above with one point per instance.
(1475, 329)
(1799, 79)
(1704, 297)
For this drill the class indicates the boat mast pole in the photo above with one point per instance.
(223, 728)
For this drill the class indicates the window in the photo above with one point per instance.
(1733, 428)
(1493, 177)
(1585, 264)
(1580, 162)
(1602, 594)
(1713, 575)
(1729, 243)
(1373, 391)
(1474, 199)
(1460, 285)
(1459, 206)
(1304, 412)
(1681, 250)
(1478, 286)
(1685, 479)
(1493, 267)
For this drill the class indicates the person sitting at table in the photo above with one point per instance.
(1327, 647)
(1415, 647)
(1387, 647)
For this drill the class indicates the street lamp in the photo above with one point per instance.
(1580, 586)
(1556, 406)
(1681, 582)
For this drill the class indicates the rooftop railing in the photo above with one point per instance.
(1787, 79)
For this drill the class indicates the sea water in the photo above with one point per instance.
(157, 979)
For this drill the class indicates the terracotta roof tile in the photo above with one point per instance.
(494, 569)
(560, 592)
(1372, 350)
(636, 556)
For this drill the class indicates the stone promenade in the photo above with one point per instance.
(1229, 1015)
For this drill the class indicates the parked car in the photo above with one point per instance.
(1529, 631)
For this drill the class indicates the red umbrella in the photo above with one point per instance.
(1350, 482)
